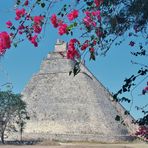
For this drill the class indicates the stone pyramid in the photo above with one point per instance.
(68, 108)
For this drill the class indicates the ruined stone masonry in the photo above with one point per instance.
(68, 108)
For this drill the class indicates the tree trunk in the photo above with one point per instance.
(21, 136)
(2, 138)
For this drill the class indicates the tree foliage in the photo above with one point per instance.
(12, 113)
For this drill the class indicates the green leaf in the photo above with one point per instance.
(126, 112)
(38, 1)
(92, 56)
(15, 45)
(42, 5)
(117, 118)
(70, 73)
(75, 24)
(71, 33)
(89, 3)
(18, 2)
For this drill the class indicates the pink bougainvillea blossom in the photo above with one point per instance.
(91, 49)
(97, 14)
(11, 34)
(19, 13)
(72, 52)
(37, 23)
(98, 2)
(85, 45)
(142, 132)
(62, 29)
(21, 27)
(38, 19)
(37, 29)
(33, 40)
(54, 20)
(9, 24)
(87, 13)
(5, 42)
(26, 2)
(74, 14)
(89, 19)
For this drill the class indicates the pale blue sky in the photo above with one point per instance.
(22, 62)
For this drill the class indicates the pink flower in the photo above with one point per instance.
(74, 14)
(33, 40)
(21, 27)
(9, 24)
(26, 3)
(94, 24)
(28, 17)
(146, 88)
(11, 34)
(91, 49)
(94, 42)
(98, 2)
(20, 32)
(63, 29)
(85, 45)
(97, 14)
(37, 23)
(87, 13)
(72, 52)
(98, 32)
(87, 21)
(38, 19)
(5, 42)
(37, 29)
(54, 20)
(19, 13)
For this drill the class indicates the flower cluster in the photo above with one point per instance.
(142, 132)
(74, 14)
(85, 45)
(5, 42)
(54, 20)
(9, 24)
(89, 44)
(89, 19)
(62, 27)
(20, 13)
(33, 40)
(22, 29)
(98, 2)
(37, 23)
(72, 52)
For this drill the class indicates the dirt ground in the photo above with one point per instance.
(79, 145)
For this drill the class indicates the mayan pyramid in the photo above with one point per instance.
(68, 108)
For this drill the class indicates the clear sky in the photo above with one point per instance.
(19, 64)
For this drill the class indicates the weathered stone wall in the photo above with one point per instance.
(64, 107)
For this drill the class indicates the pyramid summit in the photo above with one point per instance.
(60, 46)
(68, 108)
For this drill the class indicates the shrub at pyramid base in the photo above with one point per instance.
(68, 108)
